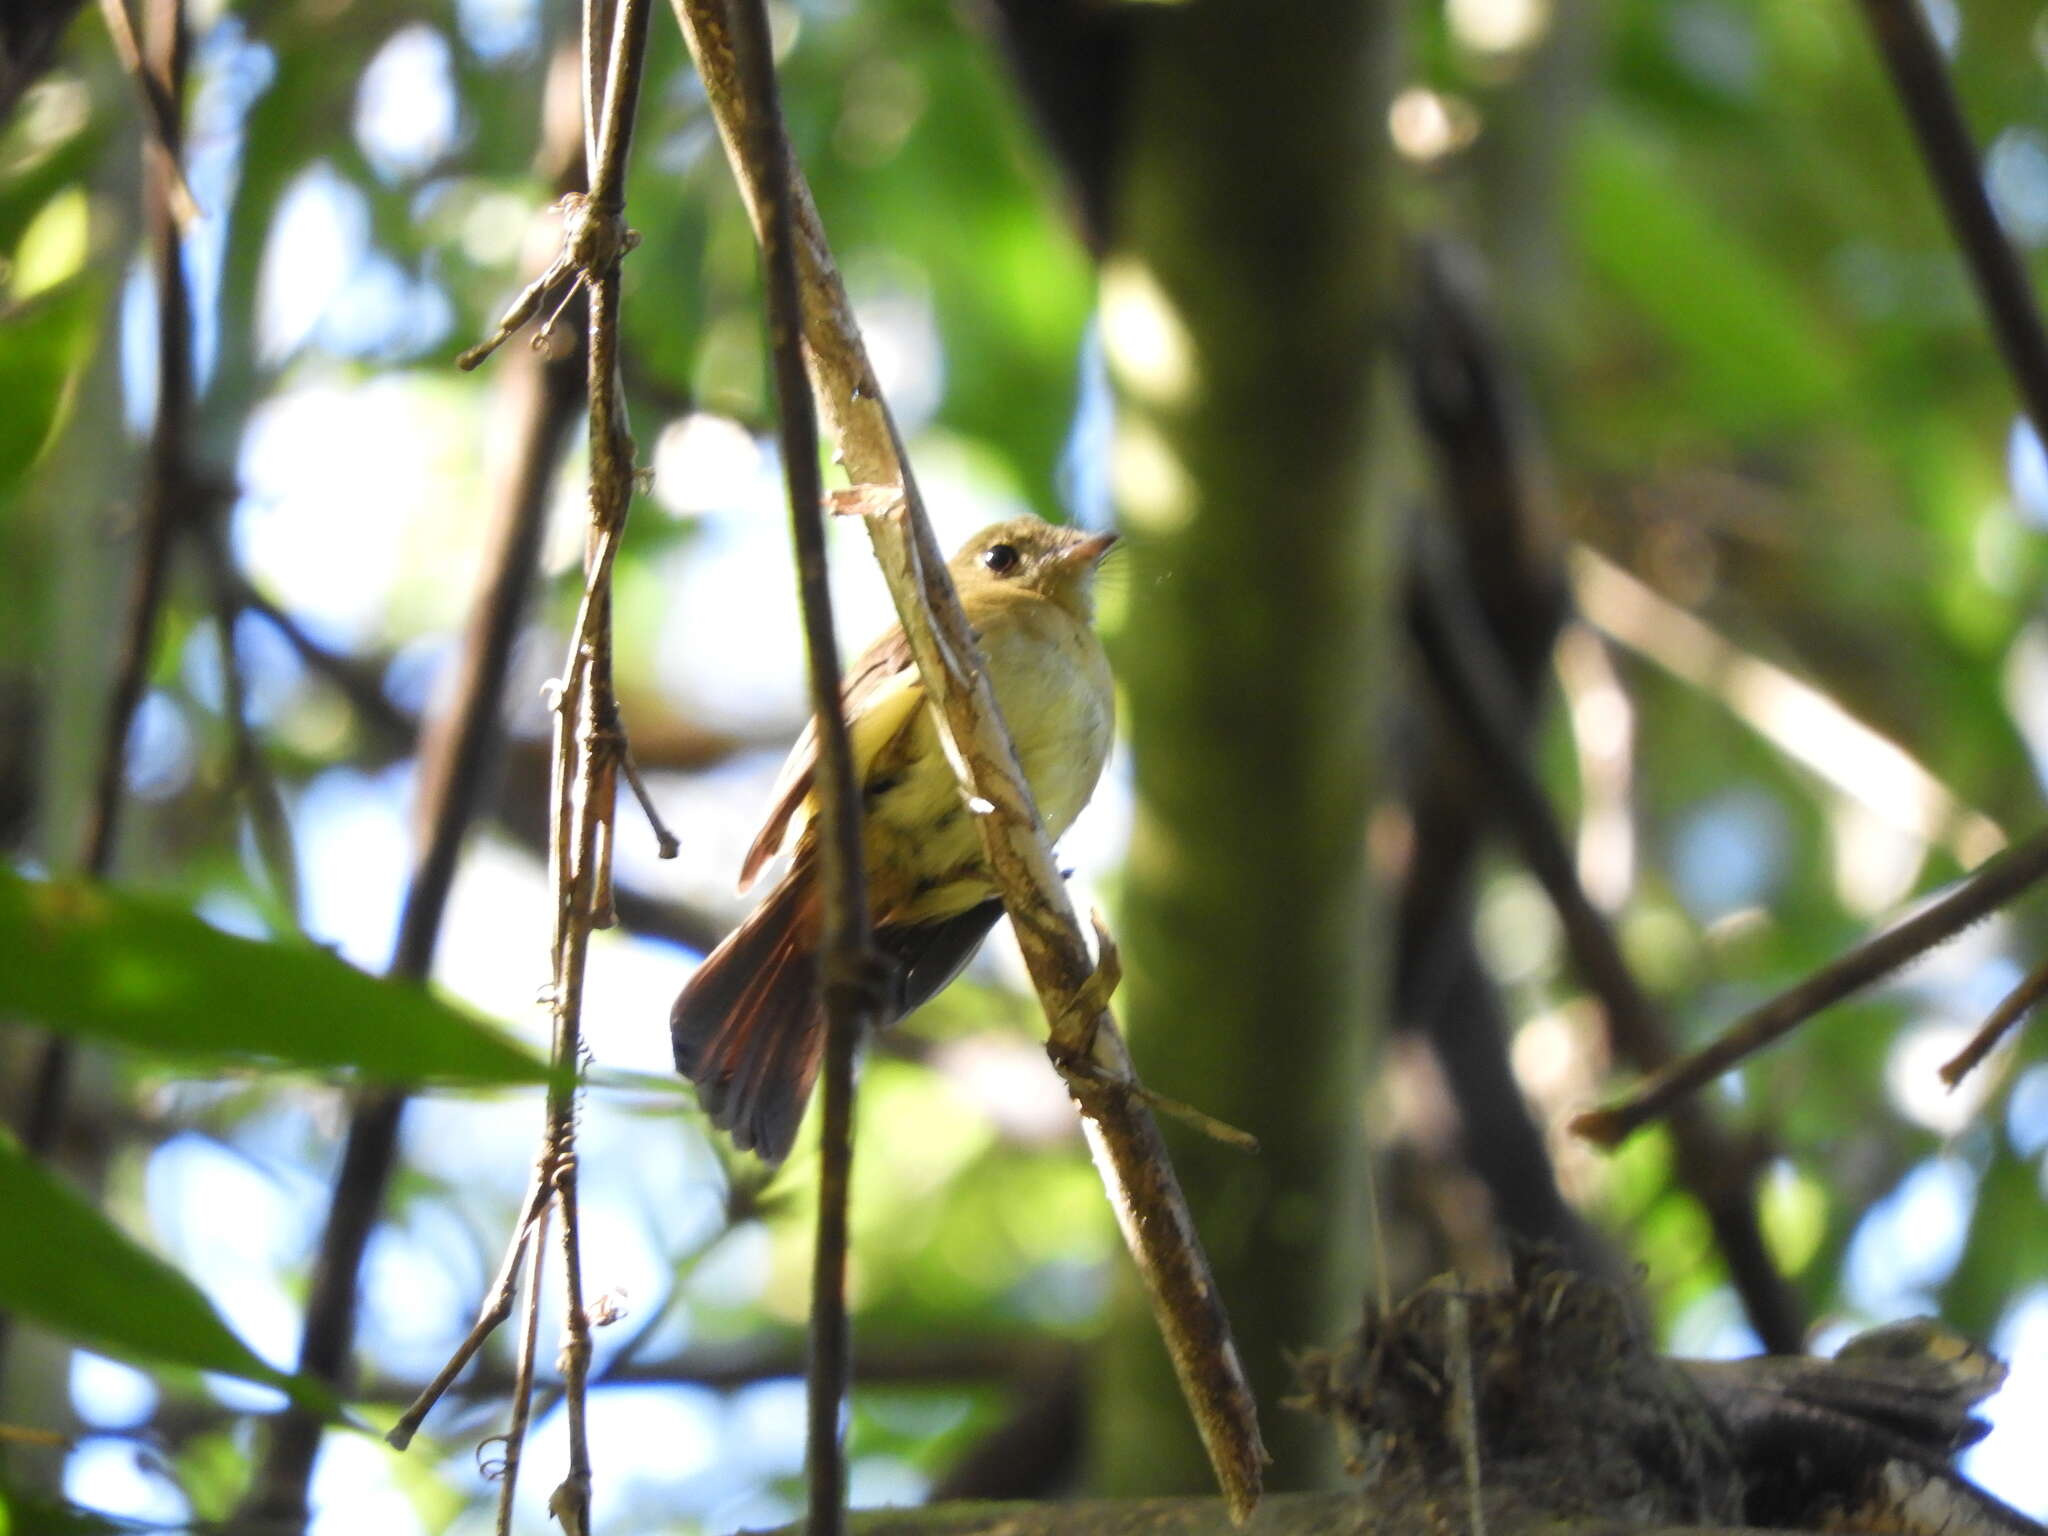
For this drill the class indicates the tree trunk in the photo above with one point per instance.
(1244, 298)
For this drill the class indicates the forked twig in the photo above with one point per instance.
(1129, 1152)
(585, 757)
(455, 750)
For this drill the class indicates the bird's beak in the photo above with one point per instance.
(1088, 553)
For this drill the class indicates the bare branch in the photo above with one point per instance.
(850, 965)
(2011, 1009)
(583, 793)
(1128, 1150)
(1463, 664)
(1918, 76)
(522, 1380)
(1990, 887)
(456, 753)
(496, 1308)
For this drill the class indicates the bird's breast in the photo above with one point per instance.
(1052, 682)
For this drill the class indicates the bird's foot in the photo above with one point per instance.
(1073, 1032)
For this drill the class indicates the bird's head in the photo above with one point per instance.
(1035, 556)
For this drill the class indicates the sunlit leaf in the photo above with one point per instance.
(96, 962)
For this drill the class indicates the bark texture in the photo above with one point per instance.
(1244, 290)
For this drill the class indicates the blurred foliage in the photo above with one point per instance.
(1763, 385)
(83, 960)
(82, 1277)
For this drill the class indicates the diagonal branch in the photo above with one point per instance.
(160, 110)
(2015, 1006)
(1990, 887)
(1085, 1044)
(1464, 667)
(1918, 76)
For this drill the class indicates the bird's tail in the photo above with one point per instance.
(749, 1028)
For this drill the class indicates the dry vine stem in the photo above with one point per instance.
(1085, 1044)
(851, 973)
(587, 752)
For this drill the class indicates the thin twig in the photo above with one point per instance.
(496, 1308)
(1990, 887)
(1914, 61)
(1465, 1403)
(849, 959)
(570, 1502)
(2015, 1006)
(1129, 1152)
(1462, 662)
(456, 753)
(667, 845)
(586, 709)
(514, 1440)
(268, 820)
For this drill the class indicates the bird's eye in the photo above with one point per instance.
(1001, 559)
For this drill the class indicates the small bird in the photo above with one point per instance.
(749, 1027)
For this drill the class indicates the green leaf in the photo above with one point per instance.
(26, 1515)
(1753, 349)
(67, 1267)
(35, 1514)
(92, 961)
(48, 344)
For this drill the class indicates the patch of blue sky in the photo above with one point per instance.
(2009, 1462)
(1728, 852)
(356, 1488)
(1713, 1327)
(407, 116)
(109, 1394)
(495, 30)
(120, 1477)
(421, 1286)
(1908, 1242)
(353, 836)
(161, 754)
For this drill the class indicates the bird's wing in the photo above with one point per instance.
(879, 693)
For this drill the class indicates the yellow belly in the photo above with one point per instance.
(1052, 683)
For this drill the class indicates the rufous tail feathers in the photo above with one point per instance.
(749, 1028)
